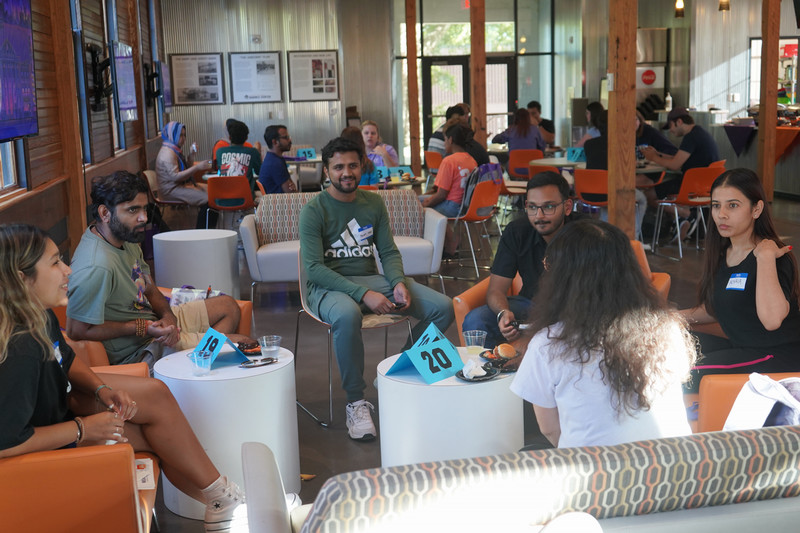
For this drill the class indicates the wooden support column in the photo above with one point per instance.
(477, 68)
(767, 118)
(413, 86)
(139, 126)
(623, 21)
(68, 120)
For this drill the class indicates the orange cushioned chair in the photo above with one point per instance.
(717, 394)
(432, 161)
(229, 193)
(481, 208)
(520, 160)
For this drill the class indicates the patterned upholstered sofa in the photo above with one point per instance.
(722, 481)
(271, 236)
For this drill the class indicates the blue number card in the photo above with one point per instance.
(213, 341)
(308, 153)
(433, 356)
(382, 173)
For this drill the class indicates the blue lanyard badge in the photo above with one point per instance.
(737, 282)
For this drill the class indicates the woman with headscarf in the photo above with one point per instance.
(176, 173)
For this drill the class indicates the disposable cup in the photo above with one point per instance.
(474, 339)
(269, 345)
(201, 362)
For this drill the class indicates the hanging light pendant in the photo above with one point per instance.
(724, 5)
(678, 9)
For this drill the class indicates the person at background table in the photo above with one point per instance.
(520, 251)
(547, 127)
(436, 142)
(222, 143)
(608, 356)
(380, 153)
(274, 176)
(593, 111)
(112, 298)
(51, 399)
(176, 174)
(368, 174)
(749, 285)
(450, 179)
(338, 229)
(522, 134)
(597, 158)
(647, 135)
(237, 159)
(697, 149)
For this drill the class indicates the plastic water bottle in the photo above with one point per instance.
(668, 103)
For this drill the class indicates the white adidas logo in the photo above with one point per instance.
(351, 244)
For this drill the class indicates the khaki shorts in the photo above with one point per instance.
(193, 321)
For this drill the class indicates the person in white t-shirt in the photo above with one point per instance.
(608, 358)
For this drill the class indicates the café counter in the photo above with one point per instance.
(744, 140)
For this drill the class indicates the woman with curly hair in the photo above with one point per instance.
(51, 399)
(749, 285)
(608, 357)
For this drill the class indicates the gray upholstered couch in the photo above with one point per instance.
(710, 482)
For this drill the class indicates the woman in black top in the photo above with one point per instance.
(43, 386)
(749, 284)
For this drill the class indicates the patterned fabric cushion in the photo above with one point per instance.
(533, 487)
(278, 215)
(406, 214)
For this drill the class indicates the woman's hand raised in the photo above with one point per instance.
(768, 249)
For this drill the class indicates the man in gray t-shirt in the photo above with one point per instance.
(112, 297)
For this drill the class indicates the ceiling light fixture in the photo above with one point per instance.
(724, 5)
(678, 9)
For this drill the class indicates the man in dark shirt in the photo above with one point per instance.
(273, 175)
(697, 149)
(521, 250)
(546, 126)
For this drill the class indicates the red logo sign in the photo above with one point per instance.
(648, 77)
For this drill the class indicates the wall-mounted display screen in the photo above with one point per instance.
(125, 82)
(17, 82)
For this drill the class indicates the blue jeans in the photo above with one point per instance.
(483, 318)
(345, 315)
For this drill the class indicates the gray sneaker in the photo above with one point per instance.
(359, 421)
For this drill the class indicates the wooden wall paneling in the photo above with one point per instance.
(477, 68)
(49, 205)
(100, 135)
(767, 122)
(622, 26)
(69, 122)
(413, 86)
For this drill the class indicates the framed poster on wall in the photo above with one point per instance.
(255, 77)
(313, 75)
(197, 79)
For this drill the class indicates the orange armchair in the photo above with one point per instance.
(660, 280)
(82, 489)
(474, 297)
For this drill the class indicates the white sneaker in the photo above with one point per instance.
(221, 504)
(359, 421)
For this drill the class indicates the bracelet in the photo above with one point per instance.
(80, 429)
(97, 391)
(141, 327)
(500, 314)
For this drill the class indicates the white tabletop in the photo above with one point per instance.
(194, 235)
(410, 376)
(179, 366)
(312, 160)
(558, 162)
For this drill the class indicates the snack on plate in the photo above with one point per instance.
(249, 348)
(505, 350)
(408, 177)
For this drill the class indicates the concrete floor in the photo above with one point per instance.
(326, 452)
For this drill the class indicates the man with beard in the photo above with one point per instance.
(112, 297)
(522, 249)
(273, 174)
(338, 229)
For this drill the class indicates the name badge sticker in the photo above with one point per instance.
(737, 282)
(365, 232)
